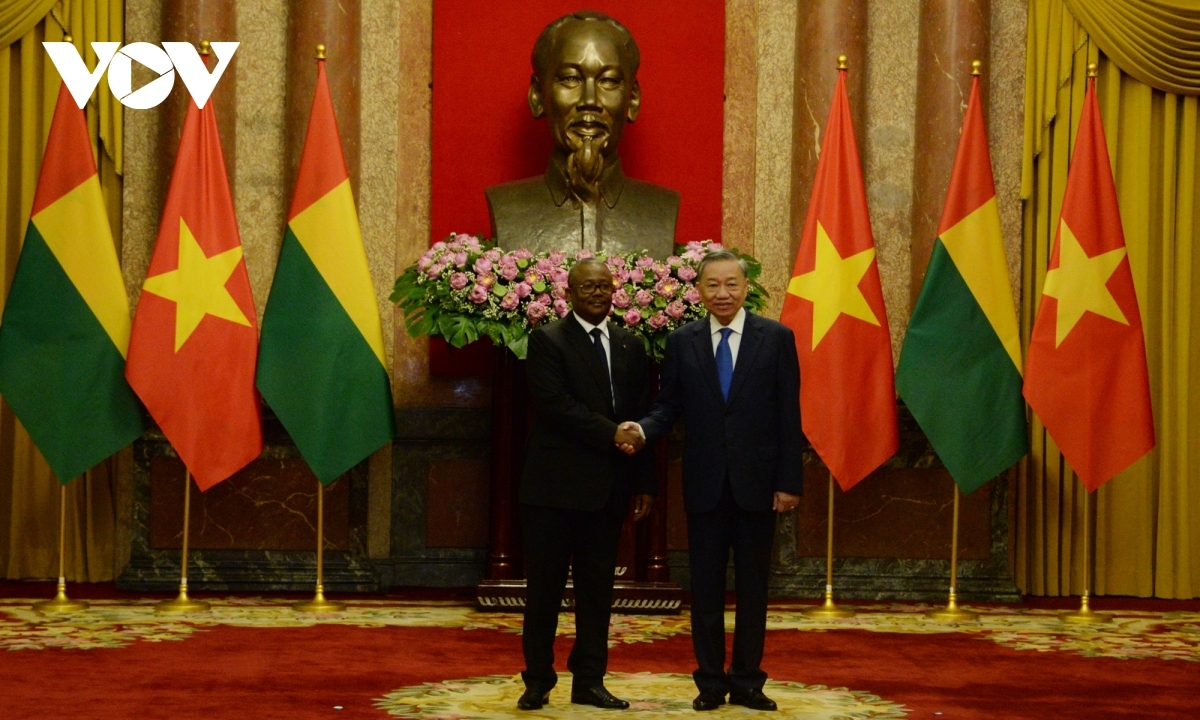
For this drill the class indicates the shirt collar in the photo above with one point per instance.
(588, 327)
(736, 325)
(611, 183)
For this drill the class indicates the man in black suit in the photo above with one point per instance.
(585, 376)
(735, 381)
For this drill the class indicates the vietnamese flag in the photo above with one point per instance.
(834, 304)
(194, 343)
(1085, 374)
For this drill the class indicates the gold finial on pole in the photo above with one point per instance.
(205, 47)
(1084, 615)
(976, 67)
(952, 612)
(182, 603)
(68, 38)
(1093, 69)
(319, 604)
(61, 605)
(829, 610)
(320, 51)
(843, 62)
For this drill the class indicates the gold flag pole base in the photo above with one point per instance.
(952, 612)
(319, 604)
(181, 604)
(829, 610)
(61, 604)
(1084, 615)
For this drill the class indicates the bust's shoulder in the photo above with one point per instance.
(656, 195)
(518, 190)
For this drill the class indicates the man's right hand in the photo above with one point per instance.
(629, 438)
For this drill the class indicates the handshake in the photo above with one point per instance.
(629, 438)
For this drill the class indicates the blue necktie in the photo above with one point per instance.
(596, 343)
(725, 363)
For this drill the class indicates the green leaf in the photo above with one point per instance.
(520, 346)
(539, 287)
(499, 290)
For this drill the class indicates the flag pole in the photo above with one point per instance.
(829, 609)
(319, 604)
(183, 604)
(952, 612)
(61, 604)
(1084, 615)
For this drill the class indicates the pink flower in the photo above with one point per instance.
(693, 255)
(667, 287)
(584, 254)
(465, 239)
(616, 261)
(460, 258)
(637, 275)
(434, 271)
(714, 246)
(645, 261)
(492, 255)
(523, 289)
(510, 301)
(483, 265)
(559, 275)
(559, 290)
(439, 245)
(544, 299)
(472, 242)
(558, 257)
(621, 299)
(533, 277)
(487, 280)
(544, 266)
(674, 261)
(536, 311)
(692, 296)
(478, 295)
(661, 271)
(687, 273)
(644, 297)
(523, 254)
(458, 280)
(425, 262)
(676, 309)
(621, 276)
(509, 272)
(658, 321)
(632, 316)
(561, 307)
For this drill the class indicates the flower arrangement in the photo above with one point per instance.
(464, 289)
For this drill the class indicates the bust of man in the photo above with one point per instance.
(585, 84)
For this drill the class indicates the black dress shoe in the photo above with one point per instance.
(708, 701)
(755, 700)
(533, 699)
(598, 696)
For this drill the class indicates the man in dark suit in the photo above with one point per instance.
(735, 381)
(585, 376)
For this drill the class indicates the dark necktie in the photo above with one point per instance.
(725, 362)
(596, 343)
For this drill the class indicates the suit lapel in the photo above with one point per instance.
(702, 344)
(747, 350)
(619, 357)
(579, 341)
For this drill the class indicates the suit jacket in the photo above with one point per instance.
(755, 437)
(571, 461)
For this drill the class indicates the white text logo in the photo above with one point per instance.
(171, 57)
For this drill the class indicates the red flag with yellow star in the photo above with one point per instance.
(194, 342)
(1086, 372)
(834, 304)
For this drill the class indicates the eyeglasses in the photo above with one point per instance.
(589, 288)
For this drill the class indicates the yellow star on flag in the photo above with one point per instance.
(1079, 283)
(197, 286)
(832, 286)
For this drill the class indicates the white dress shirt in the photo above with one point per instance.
(735, 338)
(587, 328)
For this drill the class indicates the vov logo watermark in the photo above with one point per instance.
(165, 61)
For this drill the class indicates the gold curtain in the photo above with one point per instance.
(29, 493)
(1155, 41)
(18, 17)
(1147, 530)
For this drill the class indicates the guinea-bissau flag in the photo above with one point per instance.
(65, 329)
(1086, 375)
(960, 367)
(321, 366)
(834, 305)
(194, 343)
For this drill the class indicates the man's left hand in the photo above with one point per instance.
(785, 502)
(641, 506)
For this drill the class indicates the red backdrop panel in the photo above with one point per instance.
(483, 133)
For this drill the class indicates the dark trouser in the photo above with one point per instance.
(710, 536)
(586, 542)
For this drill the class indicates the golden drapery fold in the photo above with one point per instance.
(18, 17)
(1147, 531)
(1155, 41)
(29, 492)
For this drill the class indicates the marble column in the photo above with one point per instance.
(193, 21)
(336, 24)
(952, 34)
(825, 29)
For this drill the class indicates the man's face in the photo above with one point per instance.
(587, 92)
(723, 289)
(591, 290)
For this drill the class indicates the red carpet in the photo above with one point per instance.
(257, 659)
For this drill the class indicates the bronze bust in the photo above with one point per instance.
(585, 84)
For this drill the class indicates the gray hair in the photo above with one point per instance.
(720, 255)
(546, 39)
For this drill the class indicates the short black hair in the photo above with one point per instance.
(582, 263)
(719, 255)
(545, 41)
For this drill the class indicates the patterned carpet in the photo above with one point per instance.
(254, 657)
